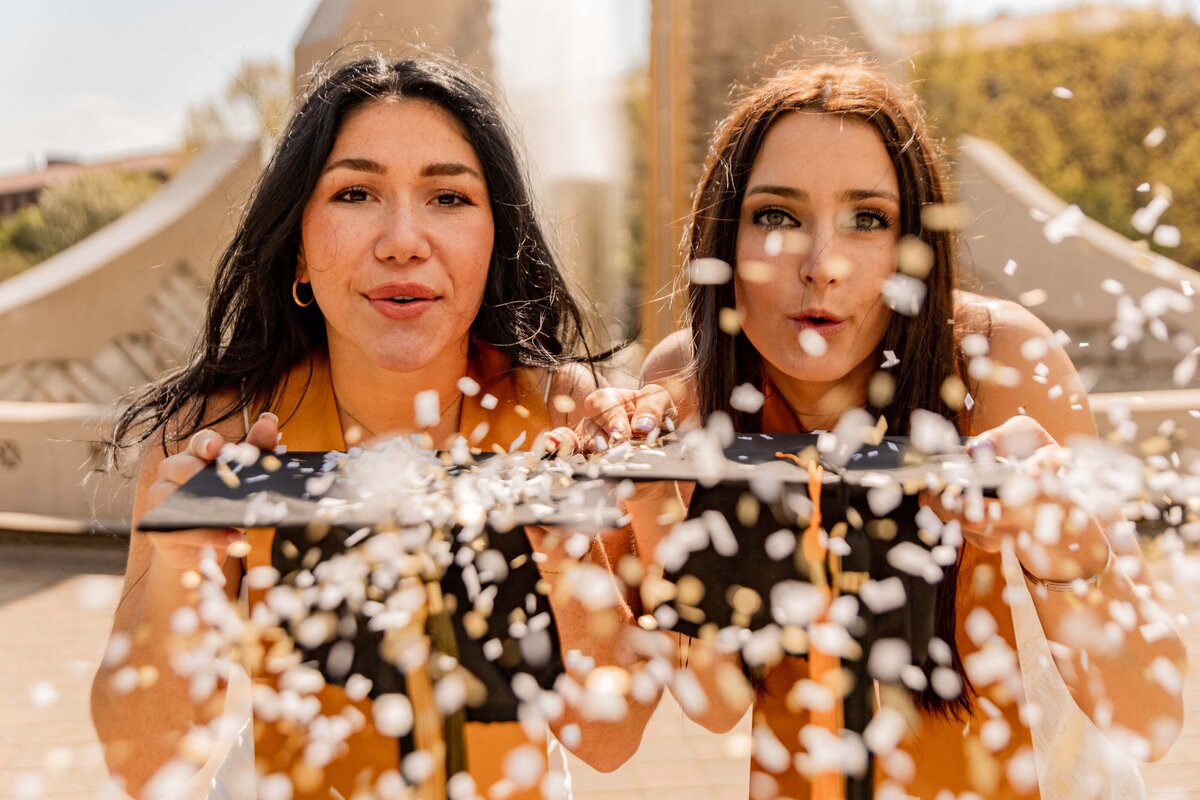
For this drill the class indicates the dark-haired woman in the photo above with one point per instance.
(822, 189)
(389, 249)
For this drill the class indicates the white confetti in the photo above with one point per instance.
(393, 715)
(780, 544)
(1146, 218)
(1062, 93)
(1167, 236)
(884, 731)
(1064, 225)
(709, 271)
(1185, 370)
(883, 596)
(813, 343)
(428, 408)
(746, 398)
(276, 786)
(1155, 137)
(889, 359)
(42, 694)
(468, 386)
(888, 658)
(1010, 267)
(487, 402)
(904, 294)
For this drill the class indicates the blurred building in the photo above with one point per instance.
(19, 191)
(1010, 30)
(701, 51)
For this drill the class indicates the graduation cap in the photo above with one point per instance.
(739, 560)
(317, 517)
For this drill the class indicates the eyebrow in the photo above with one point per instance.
(437, 170)
(799, 194)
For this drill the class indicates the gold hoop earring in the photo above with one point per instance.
(296, 294)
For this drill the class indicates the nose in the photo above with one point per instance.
(824, 265)
(402, 237)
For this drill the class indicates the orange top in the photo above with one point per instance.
(309, 421)
(948, 754)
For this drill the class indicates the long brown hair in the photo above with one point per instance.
(925, 343)
(849, 87)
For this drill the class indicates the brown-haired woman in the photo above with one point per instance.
(822, 189)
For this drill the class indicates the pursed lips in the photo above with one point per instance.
(819, 319)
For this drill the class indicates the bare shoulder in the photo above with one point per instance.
(669, 359)
(1027, 370)
(669, 365)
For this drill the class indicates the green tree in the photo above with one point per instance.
(255, 103)
(1089, 149)
(68, 212)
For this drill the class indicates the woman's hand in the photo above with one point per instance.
(613, 415)
(181, 550)
(1055, 549)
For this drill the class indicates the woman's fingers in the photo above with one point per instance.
(653, 410)
(1017, 437)
(264, 433)
(609, 410)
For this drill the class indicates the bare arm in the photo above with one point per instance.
(141, 706)
(1114, 685)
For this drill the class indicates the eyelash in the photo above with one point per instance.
(344, 196)
(885, 221)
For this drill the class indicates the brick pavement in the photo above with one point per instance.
(56, 602)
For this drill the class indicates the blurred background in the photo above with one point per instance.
(134, 130)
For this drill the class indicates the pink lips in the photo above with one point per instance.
(823, 322)
(402, 301)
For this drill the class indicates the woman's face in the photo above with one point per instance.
(397, 236)
(817, 238)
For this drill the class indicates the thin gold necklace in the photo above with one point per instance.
(370, 433)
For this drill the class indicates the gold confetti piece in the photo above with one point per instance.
(914, 257)
(795, 243)
(953, 392)
(227, 476)
(747, 509)
(881, 389)
(564, 404)
(730, 321)
(882, 529)
(239, 549)
(945, 216)
(689, 590)
(353, 436)
(475, 624)
(744, 600)
(147, 676)
(753, 271)
(190, 579)
(270, 463)
(647, 622)
(1032, 298)
(522, 411)
(983, 580)
(794, 639)
(630, 570)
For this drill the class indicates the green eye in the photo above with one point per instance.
(773, 218)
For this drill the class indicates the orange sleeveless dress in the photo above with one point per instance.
(309, 422)
(948, 754)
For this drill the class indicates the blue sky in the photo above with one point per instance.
(97, 79)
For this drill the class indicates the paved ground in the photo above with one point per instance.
(56, 602)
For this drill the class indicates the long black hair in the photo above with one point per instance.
(253, 333)
(849, 86)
